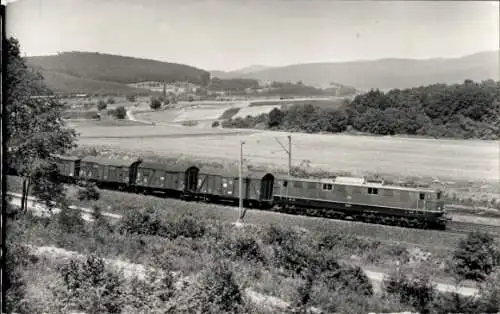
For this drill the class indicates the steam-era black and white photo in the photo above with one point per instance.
(263, 156)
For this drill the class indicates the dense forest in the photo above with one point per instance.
(118, 69)
(467, 110)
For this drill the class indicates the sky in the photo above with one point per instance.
(231, 34)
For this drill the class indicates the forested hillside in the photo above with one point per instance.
(467, 110)
(118, 69)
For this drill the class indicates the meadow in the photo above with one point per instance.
(443, 160)
(271, 257)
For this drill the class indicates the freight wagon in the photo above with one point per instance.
(352, 198)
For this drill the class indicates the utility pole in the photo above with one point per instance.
(288, 151)
(241, 181)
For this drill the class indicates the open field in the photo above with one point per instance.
(333, 102)
(254, 111)
(402, 157)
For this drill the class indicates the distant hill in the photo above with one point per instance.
(64, 83)
(252, 68)
(386, 73)
(239, 72)
(93, 71)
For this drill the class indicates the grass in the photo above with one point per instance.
(219, 241)
(229, 113)
(444, 160)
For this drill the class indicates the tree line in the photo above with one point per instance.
(467, 110)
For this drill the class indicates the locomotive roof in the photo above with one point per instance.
(110, 162)
(233, 173)
(361, 183)
(178, 167)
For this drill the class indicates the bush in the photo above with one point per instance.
(14, 285)
(120, 113)
(110, 100)
(215, 124)
(88, 192)
(416, 291)
(143, 223)
(149, 223)
(155, 103)
(185, 226)
(220, 290)
(70, 221)
(243, 247)
(476, 256)
(102, 105)
(89, 287)
(151, 294)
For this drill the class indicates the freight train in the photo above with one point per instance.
(342, 197)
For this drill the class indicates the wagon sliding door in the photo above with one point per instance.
(266, 187)
(191, 179)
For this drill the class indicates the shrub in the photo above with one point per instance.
(120, 113)
(292, 255)
(110, 100)
(220, 290)
(476, 256)
(89, 287)
(14, 285)
(102, 105)
(70, 221)
(144, 223)
(347, 277)
(155, 103)
(243, 247)
(151, 294)
(416, 291)
(88, 192)
(186, 226)
(215, 124)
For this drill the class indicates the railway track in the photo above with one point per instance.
(465, 227)
(458, 227)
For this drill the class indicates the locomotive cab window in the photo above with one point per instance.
(373, 191)
(422, 196)
(285, 183)
(439, 195)
(327, 187)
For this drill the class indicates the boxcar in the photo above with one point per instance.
(355, 196)
(221, 185)
(109, 172)
(69, 168)
(156, 177)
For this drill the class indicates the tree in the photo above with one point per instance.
(102, 105)
(275, 117)
(155, 103)
(36, 130)
(476, 256)
(120, 113)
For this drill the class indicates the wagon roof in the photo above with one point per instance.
(233, 173)
(72, 158)
(359, 183)
(110, 162)
(178, 167)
